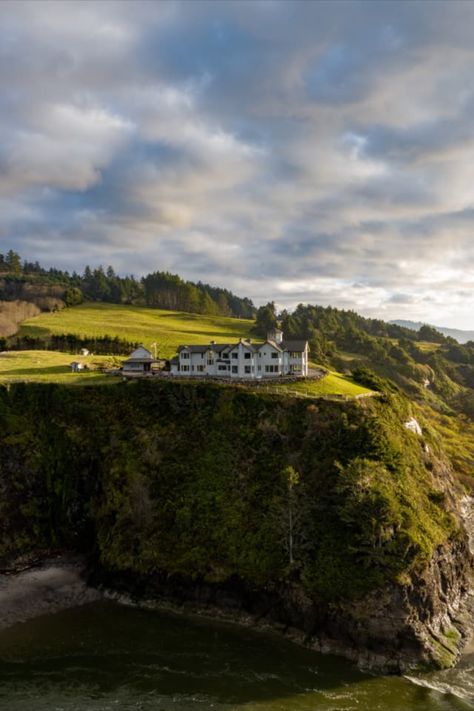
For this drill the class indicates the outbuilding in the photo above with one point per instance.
(139, 362)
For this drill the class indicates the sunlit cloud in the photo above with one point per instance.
(301, 152)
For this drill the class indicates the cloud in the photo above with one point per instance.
(293, 151)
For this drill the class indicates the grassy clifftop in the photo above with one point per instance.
(168, 329)
(199, 481)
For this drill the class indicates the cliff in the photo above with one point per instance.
(328, 518)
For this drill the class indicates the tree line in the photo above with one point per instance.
(70, 343)
(158, 290)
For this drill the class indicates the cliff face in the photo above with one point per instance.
(326, 518)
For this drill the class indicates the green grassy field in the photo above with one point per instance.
(49, 367)
(331, 384)
(54, 367)
(168, 329)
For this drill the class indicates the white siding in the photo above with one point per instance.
(243, 361)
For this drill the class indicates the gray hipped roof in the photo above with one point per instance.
(214, 347)
(295, 346)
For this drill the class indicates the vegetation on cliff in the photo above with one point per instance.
(194, 480)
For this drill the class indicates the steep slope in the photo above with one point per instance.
(331, 518)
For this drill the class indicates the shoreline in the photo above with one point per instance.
(44, 587)
(60, 582)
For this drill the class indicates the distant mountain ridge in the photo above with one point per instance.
(458, 334)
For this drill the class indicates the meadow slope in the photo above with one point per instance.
(168, 329)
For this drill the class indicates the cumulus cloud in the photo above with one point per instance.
(295, 151)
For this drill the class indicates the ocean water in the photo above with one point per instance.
(108, 657)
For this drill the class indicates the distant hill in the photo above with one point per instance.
(29, 281)
(458, 334)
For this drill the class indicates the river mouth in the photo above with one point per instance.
(104, 656)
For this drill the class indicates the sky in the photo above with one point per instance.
(299, 152)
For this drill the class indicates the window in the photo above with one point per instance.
(235, 368)
(210, 361)
(200, 368)
(248, 369)
(221, 367)
(184, 355)
(185, 368)
(272, 369)
(259, 368)
(192, 368)
(295, 354)
(235, 355)
(274, 355)
(247, 355)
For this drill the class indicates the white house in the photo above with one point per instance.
(140, 361)
(273, 358)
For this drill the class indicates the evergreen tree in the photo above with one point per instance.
(266, 319)
(13, 261)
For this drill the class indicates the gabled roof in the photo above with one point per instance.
(194, 349)
(295, 346)
(247, 344)
(139, 355)
(275, 345)
(214, 347)
(174, 361)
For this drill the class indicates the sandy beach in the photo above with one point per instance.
(56, 584)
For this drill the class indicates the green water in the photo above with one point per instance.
(106, 657)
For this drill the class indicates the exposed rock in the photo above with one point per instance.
(414, 426)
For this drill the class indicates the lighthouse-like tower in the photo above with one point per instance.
(275, 335)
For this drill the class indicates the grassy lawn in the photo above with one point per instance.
(331, 384)
(168, 329)
(54, 367)
(48, 367)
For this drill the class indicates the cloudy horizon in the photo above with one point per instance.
(289, 151)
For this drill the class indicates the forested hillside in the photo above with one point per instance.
(30, 281)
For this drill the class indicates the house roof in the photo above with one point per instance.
(296, 346)
(174, 361)
(245, 343)
(274, 344)
(214, 347)
(194, 349)
(140, 355)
